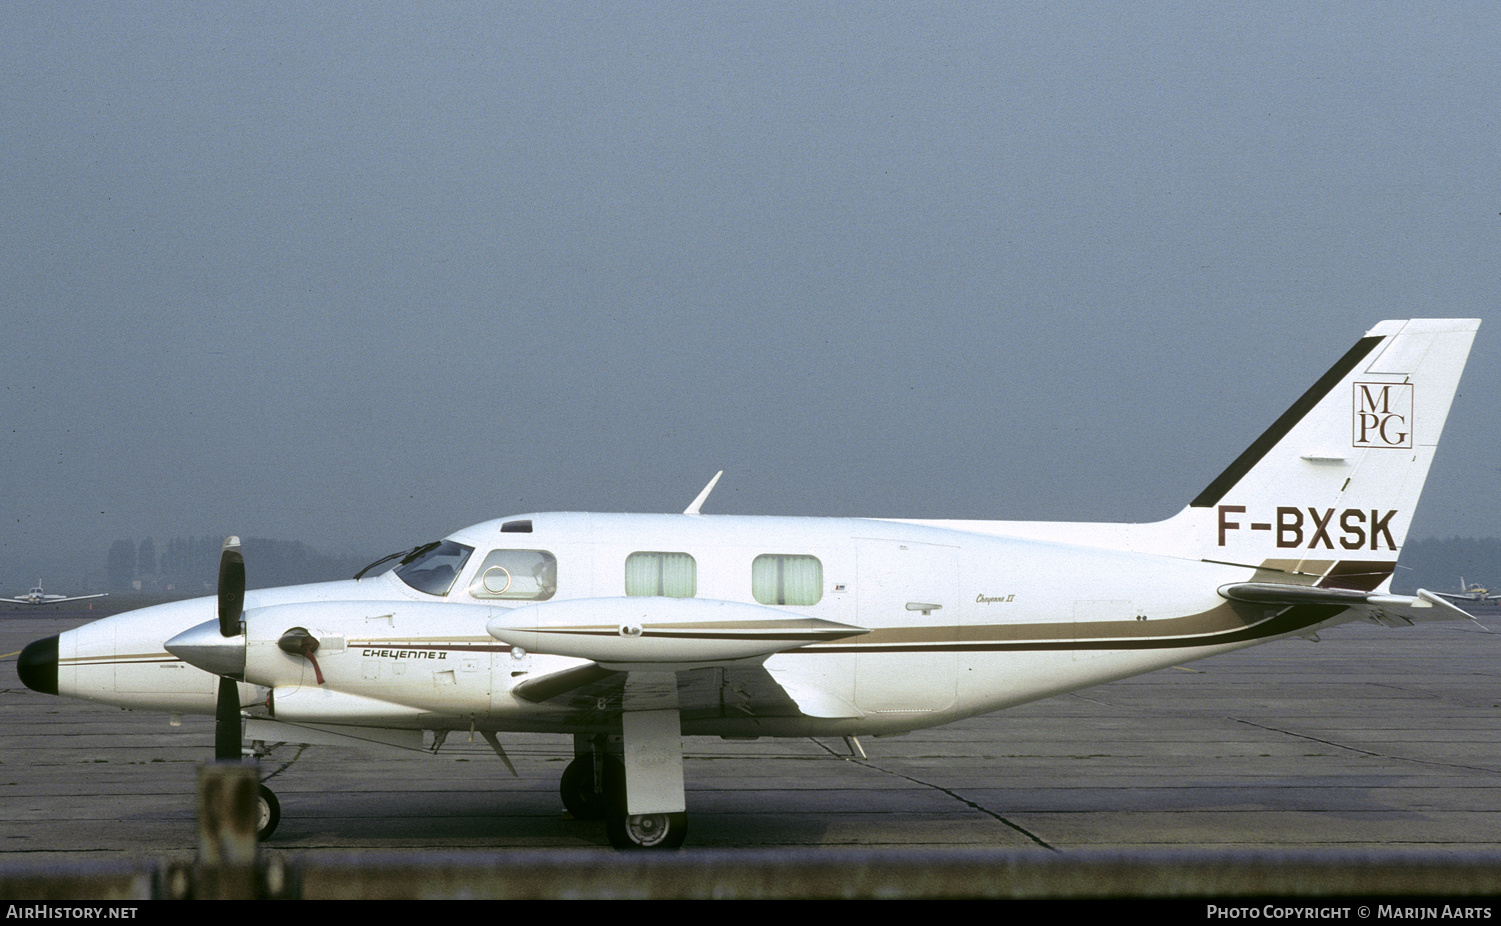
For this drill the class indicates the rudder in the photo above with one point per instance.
(1330, 488)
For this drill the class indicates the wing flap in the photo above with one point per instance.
(595, 694)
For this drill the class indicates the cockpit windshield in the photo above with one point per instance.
(406, 557)
(432, 567)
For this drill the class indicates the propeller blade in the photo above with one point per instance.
(227, 730)
(231, 587)
(227, 734)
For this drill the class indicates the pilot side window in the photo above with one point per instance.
(516, 575)
(778, 578)
(667, 575)
(433, 567)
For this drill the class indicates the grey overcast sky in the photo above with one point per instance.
(360, 274)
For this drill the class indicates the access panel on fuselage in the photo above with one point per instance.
(907, 595)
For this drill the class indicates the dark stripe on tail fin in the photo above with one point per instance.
(1253, 454)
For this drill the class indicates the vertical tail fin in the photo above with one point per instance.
(1329, 490)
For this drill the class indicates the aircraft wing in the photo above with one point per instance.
(715, 651)
(1391, 610)
(595, 695)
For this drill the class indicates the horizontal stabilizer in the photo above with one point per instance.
(1392, 610)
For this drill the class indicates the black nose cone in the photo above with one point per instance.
(38, 666)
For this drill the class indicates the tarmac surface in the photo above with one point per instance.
(1373, 739)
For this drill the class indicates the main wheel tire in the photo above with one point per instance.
(638, 831)
(577, 788)
(268, 810)
(647, 830)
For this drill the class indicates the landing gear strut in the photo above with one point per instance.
(637, 830)
(645, 775)
(647, 809)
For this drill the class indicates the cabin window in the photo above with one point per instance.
(432, 568)
(667, 575)
(780, 578)
(516, 575)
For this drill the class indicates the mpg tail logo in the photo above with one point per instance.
(1383, 415)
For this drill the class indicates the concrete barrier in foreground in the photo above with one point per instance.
(768, 874)
(230, 866)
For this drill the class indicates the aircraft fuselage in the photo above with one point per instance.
(959, 623)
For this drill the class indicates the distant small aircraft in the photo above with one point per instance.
(37, 596)
(1472, 592)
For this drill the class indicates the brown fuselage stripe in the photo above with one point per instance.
(1111, 635)
(1292, 620)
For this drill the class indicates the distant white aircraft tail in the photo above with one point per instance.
(1329, 490)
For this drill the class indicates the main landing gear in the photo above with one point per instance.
(593, 788)
(595, 785)
(646, 830)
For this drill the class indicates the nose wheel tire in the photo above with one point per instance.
(268, 813)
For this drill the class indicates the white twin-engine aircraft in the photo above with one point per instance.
(631, 631)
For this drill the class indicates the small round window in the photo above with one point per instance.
(516, 575)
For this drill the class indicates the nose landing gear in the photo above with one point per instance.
(268, 813)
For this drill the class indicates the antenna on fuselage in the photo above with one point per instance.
(698, 502)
